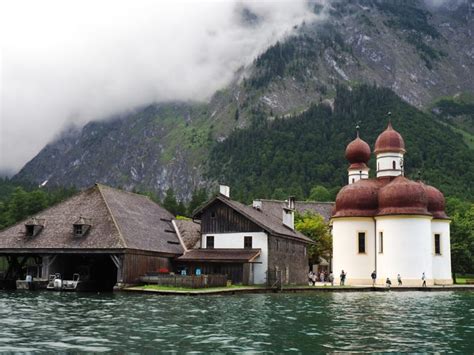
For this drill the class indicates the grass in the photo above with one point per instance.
(461, 279)
(188, 289)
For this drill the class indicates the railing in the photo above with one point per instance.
(189, 281)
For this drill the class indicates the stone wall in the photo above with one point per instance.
(290, 257)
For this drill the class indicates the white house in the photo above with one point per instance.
(389, 224)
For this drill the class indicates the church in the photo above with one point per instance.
(390, 224)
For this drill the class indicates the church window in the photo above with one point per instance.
(394, 165)
(353, 180)
(380, 242)
(361, 242)
(437, 242)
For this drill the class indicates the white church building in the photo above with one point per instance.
(389, 224)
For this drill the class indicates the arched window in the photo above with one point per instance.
(394, 165)
(353, 180)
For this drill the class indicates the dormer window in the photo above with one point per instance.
(81, 227)
(34, 227)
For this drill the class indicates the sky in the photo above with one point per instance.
(66, 63)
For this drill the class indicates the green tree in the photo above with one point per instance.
(198, 197)
(462, 235)
(314, 227)
(319, 193)
(170, 203)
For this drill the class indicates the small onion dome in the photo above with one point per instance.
(358, 152)
(403, 196)
(389, 141)
(436, 202)
(358, 199)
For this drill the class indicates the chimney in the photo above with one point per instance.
(257, 204)
(224, 190)
(289, 213)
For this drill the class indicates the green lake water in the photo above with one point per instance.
(304, 323)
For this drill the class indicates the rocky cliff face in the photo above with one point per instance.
(421, 54)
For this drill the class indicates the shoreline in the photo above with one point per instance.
(296, 289)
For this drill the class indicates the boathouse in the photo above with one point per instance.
(106, 235)
(248, 244)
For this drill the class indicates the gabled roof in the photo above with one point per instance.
(274, 207)
(189, 232)
(268, 222)
(119, 219)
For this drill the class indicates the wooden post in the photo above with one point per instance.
(117, 260)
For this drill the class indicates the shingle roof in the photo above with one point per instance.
(269, 222)
(190, 232)
(120, 220)
(274, 207)
(221, 255)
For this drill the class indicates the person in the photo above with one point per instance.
(343, 278)
(388, 283)
(314, 278)
(310, 278)
(399, 278)
(331, 278)
(423, 277)
(321, 276)
(374, 277)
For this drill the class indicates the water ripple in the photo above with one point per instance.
(301, 323)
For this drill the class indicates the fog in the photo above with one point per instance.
(70, 62)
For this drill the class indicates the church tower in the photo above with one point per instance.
(358, 155)
(389, 150)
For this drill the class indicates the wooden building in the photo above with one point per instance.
(251, 246)
(106, 235)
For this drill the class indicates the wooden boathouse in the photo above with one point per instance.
(108, 236)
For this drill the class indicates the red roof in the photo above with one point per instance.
(389, 141)
(358, 152)
(389, 196)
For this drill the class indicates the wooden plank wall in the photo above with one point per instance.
(219, 218)
(136, 265)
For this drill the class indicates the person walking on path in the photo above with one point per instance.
(310, 278)
(388, 283)
(331, 278)
(423, 277)
(343, 278)
(374, 277)
(399, 279)
(314, 278)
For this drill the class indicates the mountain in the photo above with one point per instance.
(424, 55)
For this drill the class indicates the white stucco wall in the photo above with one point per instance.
(345, 249)
(385, 164)
(236, 241)
(407, 250)
(441, 263)
(356, 175)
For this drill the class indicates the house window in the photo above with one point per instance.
(361, 242)
(248, 242)
(78, 230)
(394, 165)
(210, 242)
(437, 241)
(30, 230)
(213, 214)
(380, 242)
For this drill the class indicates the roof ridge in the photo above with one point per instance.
(111, 215)
(123, 191)
(284, 201)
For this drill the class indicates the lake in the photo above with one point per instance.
(307, 322)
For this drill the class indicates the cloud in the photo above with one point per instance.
(70, 62)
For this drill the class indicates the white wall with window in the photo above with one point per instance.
(407, 249)
(389, 164)
(259, 240)
(347, 233)
(440, 230)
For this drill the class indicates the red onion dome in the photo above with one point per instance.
(389, 141)
(358, 152)
(436, 202)
(403, 196)
(358, 199)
